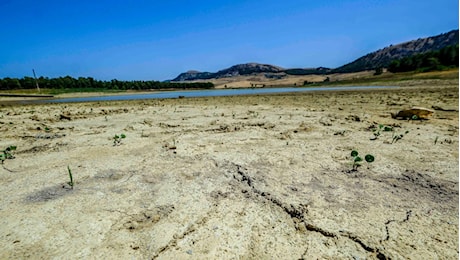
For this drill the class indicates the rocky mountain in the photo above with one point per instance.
(383, 57)
(248, 68)
(236, 70)
(194, 75)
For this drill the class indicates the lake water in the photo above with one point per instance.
(201, 93)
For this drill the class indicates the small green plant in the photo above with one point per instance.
(384, 128)
(357, 160)
(7, 153)
(117, 139)
(397, 137)
(71, 178)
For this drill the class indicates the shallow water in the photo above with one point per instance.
(200, 93)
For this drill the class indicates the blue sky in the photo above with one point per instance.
(157, 40)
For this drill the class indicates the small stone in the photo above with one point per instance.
(301, 227)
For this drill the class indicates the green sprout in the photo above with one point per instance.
(398, 137)
(7, 153)
(357, 159)
(117, 139)
(384, 128)
(71, 178)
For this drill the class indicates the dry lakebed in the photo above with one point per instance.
(242, 177)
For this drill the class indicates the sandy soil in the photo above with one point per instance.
(280, 79)
(253, 177)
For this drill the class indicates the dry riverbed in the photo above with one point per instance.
(247, 177)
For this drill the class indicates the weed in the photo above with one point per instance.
(71, 178)
(384, 128)
(7, 153)
(253, 113)
(117, 139)
(398, 137)
(357, 160)
(448, 141)
(171, 146)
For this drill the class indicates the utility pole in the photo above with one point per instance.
(36, 82)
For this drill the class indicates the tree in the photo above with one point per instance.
(10, 83)
(394, 66)
(433, 64)
(433, 60)
(378, 71)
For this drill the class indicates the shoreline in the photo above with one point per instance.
(198, 94)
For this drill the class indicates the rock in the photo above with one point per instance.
(64, 117)
(413, 113)
(444, 109)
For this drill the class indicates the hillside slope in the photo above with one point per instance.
(383, 57)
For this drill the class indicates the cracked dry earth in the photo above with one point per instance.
(249, 177)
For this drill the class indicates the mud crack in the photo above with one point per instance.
(177, 237)
(387, 230)
(366, 247)
(293, 211)
(297, 214)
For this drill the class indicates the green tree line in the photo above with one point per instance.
(69, 82)
(444, 58)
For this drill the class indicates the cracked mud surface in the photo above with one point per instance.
(256, 177)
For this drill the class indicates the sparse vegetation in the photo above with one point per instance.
(357, 160)
(397, 137)
(7, 153)
(383, 128)
(117, 139)
(392, 79)
(71, 178)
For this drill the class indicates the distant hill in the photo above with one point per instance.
(236, 70)
(383, 57)
(194, 75)
(310, 71)
(248, 69)
(378, 59)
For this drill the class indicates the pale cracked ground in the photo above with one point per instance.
(254, 177)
